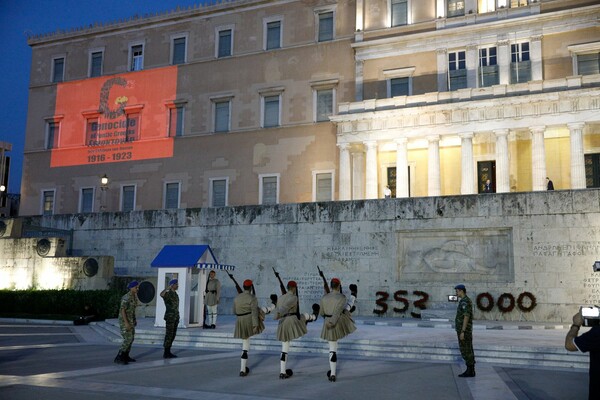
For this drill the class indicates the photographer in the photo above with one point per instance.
(588, 342)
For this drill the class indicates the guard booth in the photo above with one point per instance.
(190, 265)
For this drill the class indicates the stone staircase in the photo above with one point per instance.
(414, 347)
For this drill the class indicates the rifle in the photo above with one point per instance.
(237, 286)
(281, 285)
(325, 284)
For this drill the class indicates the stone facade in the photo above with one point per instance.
(543, 243)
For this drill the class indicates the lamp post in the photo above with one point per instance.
(103, 187)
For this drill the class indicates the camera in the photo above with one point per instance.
(596, 266)
(591, 315)
(452, 297)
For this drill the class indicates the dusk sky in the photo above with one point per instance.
(19, 18)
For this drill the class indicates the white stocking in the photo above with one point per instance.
(333, 357)
(285, 347)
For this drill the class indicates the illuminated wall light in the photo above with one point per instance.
(503, 3)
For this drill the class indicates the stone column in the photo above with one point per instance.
(536, 58)
(466, 154)
(504, 62)
(434, 184)
(502, 164)
(345, 175)
(358, 86)
(371, 190)
(401, 168)
(472, 61)
(577, 157)
(538, 158)
(442, 68)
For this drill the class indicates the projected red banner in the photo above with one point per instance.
(114, 119)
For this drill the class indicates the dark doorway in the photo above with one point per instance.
(391, 180)
(486, 170)
(592, 170)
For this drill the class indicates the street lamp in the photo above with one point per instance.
(104, 182)
(103, 187)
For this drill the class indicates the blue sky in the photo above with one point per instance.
(21, 17)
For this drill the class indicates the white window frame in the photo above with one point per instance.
(266, 22)
(458, 15)
(220, 99)
(487, 57)
(166, 183)
(210, 190)
(406, 72)
(408, 13)
(122, 196)
(54, 58)
(520, 43)
(57, 123)
(43, 191)
(80, 208)
(90, 53)
(457, 61)
(580, 50)
(130, 55)
(260, 186)
(269, 92)
(174, 37)
(221, 28)
(314, 182)
(318, 12)
(489, 6)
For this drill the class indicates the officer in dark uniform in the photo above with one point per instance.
(171, 299)
(464, 330)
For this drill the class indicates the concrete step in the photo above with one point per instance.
(390, 349)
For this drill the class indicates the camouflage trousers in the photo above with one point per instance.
(170, 332)
(128, 337)
(466, 348)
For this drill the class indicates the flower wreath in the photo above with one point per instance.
(511, 302)
(490, 302)
(533, 301)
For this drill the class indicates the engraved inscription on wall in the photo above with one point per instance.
(564, 249)
(467, 255)
(591, 288)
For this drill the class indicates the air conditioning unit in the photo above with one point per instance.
(11, 228)
(51, 247)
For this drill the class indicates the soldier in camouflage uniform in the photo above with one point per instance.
(127, 322)
(171, 300)
(464, 330)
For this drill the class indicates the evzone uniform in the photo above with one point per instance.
(335, 308)
(249, 320)
(292, 324)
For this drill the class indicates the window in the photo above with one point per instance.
(268, 189)
(225, 42)
(326, 26)
(399, 12)
(222, 112)
(96, 58)
(91, 131)
(322, 186)
(488, 67)
(588, 64)
(218, 192)
(592, 170)
(86, 200)
(325, 100)
(47, 202)
(518, 3)
(178, 50)
(484, 6)
(520, 66)
(172, 195)
(273, 35)
(456, 8)
(399, 87)
(133, 127)
(58, 69)
(136, 57)
(457, 70)
(271, 111)
(52, 129)
(176, 120)
(128, 198)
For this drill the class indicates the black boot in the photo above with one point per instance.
(288, 373)
(469, 372)
(129, 359)
(168, 354)
(119, 359)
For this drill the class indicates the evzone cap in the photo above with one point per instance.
(292, 284)
(335, 280)
(248, 283)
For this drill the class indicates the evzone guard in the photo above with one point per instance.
(249, 318)
(292, 324)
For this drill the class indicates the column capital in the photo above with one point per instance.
(343, 146)
(536, 38)
(503, 42)
(401, 141)
(433, 138)
(576, 125)
(472, 47)
(441, 52)
(466, 135)
(537, 129)
(501, 132)
(370, 144)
